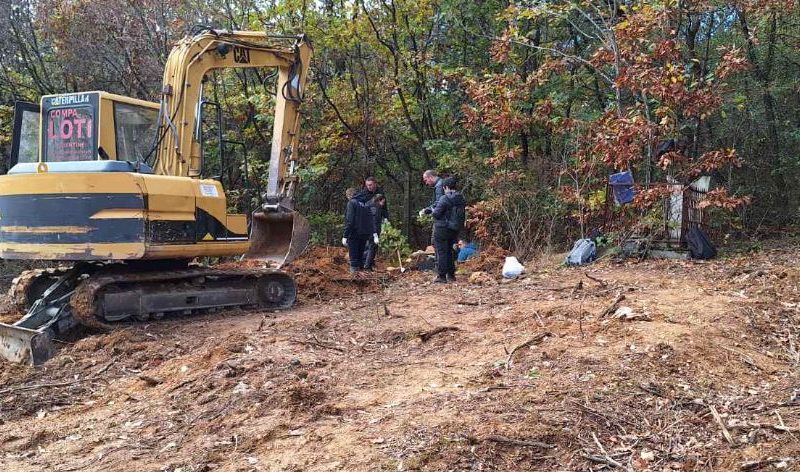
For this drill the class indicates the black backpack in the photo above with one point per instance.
(700, 247)
(456, 218)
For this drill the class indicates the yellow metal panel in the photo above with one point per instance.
(47, 229)
(236, 224)
(52, 182)
(179, 251)
(107, 129)
(128, 100)
(211, 198)
(166, 194)
(72, 251)
(118, 214)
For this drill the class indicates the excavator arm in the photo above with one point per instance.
(277, 232)
(192, 58)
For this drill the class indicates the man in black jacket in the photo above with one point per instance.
(367, 196)
(359, 226)
(375, 207)
(370, 190)
(449, 215)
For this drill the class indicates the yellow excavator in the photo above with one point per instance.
(120, 188)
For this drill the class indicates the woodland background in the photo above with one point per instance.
(531, 103)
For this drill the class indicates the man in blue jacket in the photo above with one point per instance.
(466, 250)
(359, 226)
(449, 215)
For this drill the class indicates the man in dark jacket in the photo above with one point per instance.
(449, 215)
(359, 226)
(375, 207)
(366, 194)
(432, 179)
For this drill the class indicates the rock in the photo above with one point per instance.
(240, 388)
(481, 278)
(626, 313)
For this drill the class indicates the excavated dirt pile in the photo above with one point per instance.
(489, 260)
(651, 366)
(322, 273)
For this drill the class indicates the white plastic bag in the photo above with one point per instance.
(512, 268)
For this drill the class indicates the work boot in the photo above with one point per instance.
(440, 280)
(451, 277)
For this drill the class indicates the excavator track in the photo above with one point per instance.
(20, 294)
(118, 295)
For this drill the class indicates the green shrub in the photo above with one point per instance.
(326, 228)
(392, 241)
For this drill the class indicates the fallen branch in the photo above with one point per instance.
(721, 424)
(425, 336)
(518, 442)
(25, 388)
(105, 367)
(605, 458)
(610, 309)
(776, 427)
(555, 289)
(182, 384)
(753, 465)
(602, 283)
(317, 344)
(527, 343)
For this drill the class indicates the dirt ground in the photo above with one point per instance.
(694, 368)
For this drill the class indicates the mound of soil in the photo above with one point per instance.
(323, 273)
(489, 259)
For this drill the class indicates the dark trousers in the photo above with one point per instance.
(369, 254)
(356, 245)
(443, 241)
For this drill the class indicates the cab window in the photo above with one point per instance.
(136, 128)
(25, 141)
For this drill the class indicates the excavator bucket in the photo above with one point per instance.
(278, 236)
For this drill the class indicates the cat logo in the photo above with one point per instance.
(241, 55)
